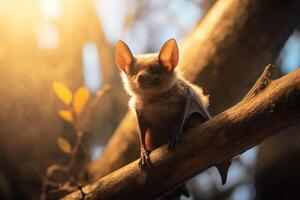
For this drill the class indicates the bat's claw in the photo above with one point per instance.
(145, 161)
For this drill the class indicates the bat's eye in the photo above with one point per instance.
(134, 71)
(154, 70)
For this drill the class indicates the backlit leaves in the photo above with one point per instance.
(64, 145)
(66, 115)
(62, 92)
(80, 98)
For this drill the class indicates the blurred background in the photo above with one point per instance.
(72, 41)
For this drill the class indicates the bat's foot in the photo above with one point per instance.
(173, 141)
(145, 161)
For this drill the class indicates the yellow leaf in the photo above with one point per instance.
(63, 93)
(80, 98)
(66, 115)
(64, 145)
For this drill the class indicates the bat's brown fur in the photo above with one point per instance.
(161, 106)
(160, 99)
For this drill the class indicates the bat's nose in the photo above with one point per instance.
(144, 78)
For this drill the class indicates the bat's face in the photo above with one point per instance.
(147, 73)
(151, 73)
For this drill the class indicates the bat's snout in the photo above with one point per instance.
(144, 79)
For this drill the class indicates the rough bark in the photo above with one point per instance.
(221, 138)
(223, 55)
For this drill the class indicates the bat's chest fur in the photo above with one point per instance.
(164, 108)
(162, 118)
(162, 115)
(161, 111)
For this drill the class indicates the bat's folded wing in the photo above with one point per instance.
(195, 111)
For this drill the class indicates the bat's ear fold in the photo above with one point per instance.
(123, 56)
(169, 54)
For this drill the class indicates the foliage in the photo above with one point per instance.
(64, 145)
(76, 110)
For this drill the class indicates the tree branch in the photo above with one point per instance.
(224, 55)
(221, 138)
(262, 82)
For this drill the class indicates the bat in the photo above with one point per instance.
(165, 103)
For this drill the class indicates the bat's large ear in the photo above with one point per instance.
(123, 56)
(169, 55)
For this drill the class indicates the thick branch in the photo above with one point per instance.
(221, 138)
(222, 55)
